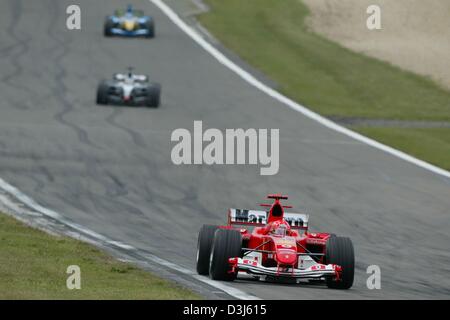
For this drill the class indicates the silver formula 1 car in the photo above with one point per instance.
(129, 89)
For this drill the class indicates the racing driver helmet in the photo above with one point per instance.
(280, 228)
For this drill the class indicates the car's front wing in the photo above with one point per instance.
(136, 101)
(313, 272)
(133, 33)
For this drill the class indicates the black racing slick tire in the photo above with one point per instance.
(339, 250)
(109, 24)
(204, 244)
(153, 96)
(227, 244)
(150, 26)
(102, 93)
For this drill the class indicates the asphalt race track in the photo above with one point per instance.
(109, 168)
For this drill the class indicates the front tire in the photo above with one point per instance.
(109, 24)
(339, 251)
(150, 26)
(227, 244)
(153, 96)
(204, 244)
(102, 93)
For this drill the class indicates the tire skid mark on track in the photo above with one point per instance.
(43, 170)
(40, 186)
(137, 138)
(61, 91)
(22, 48)
(119, 188)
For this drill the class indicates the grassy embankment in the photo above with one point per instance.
(272, 36)
(33, 265)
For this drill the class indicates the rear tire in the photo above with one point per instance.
(204, 244)
(339, 250)
(102, 93)
(227, 244)
(153, 96)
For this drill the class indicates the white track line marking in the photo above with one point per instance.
(285, 100)
(238, 294)
(5, 186)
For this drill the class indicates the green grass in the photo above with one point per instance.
(432, 144)
(271, 35)
(33, 265)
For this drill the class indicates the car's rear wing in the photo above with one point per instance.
(259, 218)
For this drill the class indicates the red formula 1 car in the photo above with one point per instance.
(279, 247)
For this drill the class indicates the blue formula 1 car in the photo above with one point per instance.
(129, 23)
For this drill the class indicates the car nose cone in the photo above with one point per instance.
(286, 257)
(129, 25)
